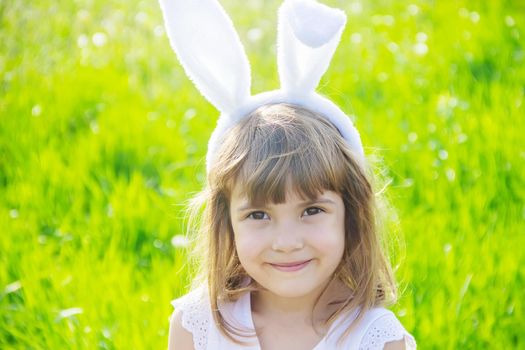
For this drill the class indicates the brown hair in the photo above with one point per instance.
(273, 145)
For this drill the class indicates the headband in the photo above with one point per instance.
(208, 47)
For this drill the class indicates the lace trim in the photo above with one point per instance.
(385, 329)
(195, 316)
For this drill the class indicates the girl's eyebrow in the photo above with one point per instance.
(247, 206)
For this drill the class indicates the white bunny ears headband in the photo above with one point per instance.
(208, 47)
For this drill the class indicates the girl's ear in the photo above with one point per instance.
(208, 47)
(308, 34)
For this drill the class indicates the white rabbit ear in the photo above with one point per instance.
(208, 47)
(308, 35)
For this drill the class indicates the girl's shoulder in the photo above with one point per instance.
(382, 326)
(195, 302)
(194, 313)
(377, 327)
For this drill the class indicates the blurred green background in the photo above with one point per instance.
(102, 142)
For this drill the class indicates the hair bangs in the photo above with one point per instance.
(289, 156)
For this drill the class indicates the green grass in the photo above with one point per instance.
(101, 146)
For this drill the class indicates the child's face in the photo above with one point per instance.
(291, 249)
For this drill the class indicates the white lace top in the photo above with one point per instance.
(377, 327)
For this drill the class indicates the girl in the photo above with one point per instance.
(293, 257)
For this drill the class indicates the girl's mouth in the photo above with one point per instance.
(293, 266)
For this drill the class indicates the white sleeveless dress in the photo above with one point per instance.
(377, 327)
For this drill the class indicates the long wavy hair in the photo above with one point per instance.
(274, 147)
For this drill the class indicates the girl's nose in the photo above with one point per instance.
(287, 238)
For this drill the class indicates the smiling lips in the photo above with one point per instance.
(289, 267)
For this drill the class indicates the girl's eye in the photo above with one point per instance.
(312, 211)
(257, 215)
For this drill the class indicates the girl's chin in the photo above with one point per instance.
(293, 289)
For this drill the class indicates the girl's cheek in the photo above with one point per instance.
(327, 237)
(246, 241)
